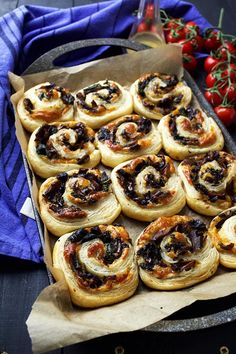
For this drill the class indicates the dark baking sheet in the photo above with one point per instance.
(201, 314)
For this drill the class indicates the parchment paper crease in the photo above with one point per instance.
(54, 322)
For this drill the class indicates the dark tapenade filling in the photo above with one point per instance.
(54, 194)
(113, 250)
(46, 92)
(95, 88)
(195, 230)
(190, 113)
(215, 178)
(43, 146)
(166, 105)
(127, 181)
(144, 126)
(170, 81)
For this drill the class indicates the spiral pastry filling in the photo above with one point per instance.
(145, 180)
(100, 256)
(126, 134)
(49, 103)
(188, 127)
(69, 191)
(151, 89)
(224, 236)
(71, 143)
(213, 176)
(171, 248)
(99, 97)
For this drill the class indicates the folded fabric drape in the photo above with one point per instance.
(25, 34)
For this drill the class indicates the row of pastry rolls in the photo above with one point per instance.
(103, 101)
(101, 265)
(144, 188)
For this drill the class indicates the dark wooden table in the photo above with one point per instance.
(21, 281)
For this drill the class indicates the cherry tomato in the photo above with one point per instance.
(174, 36)
(213, 98)
(224, 49)
(226, 114)
(230, 93)
(200, 43)
(212, 40)
(210, 63)
(189, 62)
(150, 11)
(142, 27)
(187, 46)
(230, 72)
(211, 79)
(191, 29)
(174, 23)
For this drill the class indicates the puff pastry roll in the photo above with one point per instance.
(78, 198)
(209, 181)
(156, 95)
(45, 103)
(148, 187)
(175, 252)
(126, 138)
(102, 102)
(223, 233)
(59, 147)
(188, 131)
(98, 264)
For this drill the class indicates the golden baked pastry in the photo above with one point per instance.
(188, 131)
(45, 103)
(59, 147)
(175, 252)
(156, 95)
(98, 264)
(223, 233)
(102, 102)
(209, 181)
(148, 187)
(78, 198)
(126, 138)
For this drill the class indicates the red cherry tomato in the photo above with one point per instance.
(191, 29)
(187, 46)
(189, 62)
(142, 27)
(174, 23)
(174, 36)
(150, 11)
(211, 79)
(212, 40)
(230, 72)
(226, 47)
(213, 98)
(226, 114)
(200, 43)
(210, 63)
(230, 93)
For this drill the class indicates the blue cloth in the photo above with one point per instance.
(25, 34)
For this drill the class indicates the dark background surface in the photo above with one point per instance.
(21, 281)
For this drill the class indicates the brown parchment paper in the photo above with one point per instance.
(54, 322)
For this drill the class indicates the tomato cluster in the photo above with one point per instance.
(221, 80)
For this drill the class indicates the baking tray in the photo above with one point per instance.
(213, 312)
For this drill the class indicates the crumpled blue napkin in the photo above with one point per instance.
(25, 34)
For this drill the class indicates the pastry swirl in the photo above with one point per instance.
(175, 252)
(102, 102)
(188, 131)
(45, 103)
(127, 137)
(223, 233)
(209, 181)
(156, 95)
(148, 187)
(98, 264)
(78, 198)
(59, 147)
